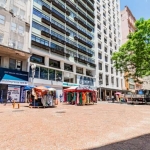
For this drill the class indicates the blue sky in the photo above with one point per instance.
(139, 8)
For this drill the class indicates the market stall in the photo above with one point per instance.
(42, 97)
(80, 95)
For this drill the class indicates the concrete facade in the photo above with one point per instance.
(14, 33)
(62, 43)
(107, 41)
(128, 26)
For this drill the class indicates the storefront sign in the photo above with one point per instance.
(15, 77)
(69, 84)
(83, 80)
(13, 93)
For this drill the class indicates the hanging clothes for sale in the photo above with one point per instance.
(80, 98)
(77, 98)
(83, 98)
(87, 97)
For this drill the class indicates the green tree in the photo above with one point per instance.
(133, 57)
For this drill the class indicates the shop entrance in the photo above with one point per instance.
(3, 92)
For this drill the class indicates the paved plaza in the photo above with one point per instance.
(103, 126)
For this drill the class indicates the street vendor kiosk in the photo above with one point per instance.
(80, 95)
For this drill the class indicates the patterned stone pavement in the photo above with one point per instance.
(103, 126)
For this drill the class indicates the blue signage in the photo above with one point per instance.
(15, 77)
(140, 92)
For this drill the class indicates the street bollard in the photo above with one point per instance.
(14, 104)
(18, 106)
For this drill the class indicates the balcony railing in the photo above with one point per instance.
(59, 52)
(58, 28)
(56, 14)
(80, 60)
(46, 9)
(71, 46)
(39, 45)
(71, 5)
(46, 21)
(58, 5)
(92, 65)
(57, 39)
(71, 24)
(45, 34)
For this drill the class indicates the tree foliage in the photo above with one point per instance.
(133, 57)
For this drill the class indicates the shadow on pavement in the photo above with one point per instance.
(137, 143)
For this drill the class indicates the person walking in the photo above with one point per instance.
(8, 99)
(60, 96)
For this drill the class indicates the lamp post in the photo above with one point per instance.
(33, 67)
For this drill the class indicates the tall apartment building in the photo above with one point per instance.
(62, 43)
(128, 26)
(14, 45)
(107, 41)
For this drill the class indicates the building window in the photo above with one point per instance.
(58, 75)
(112, 80)
(51, 74)
(105, 49)
(37, 59)
(110, 52)
(2, 19)
(20, 46)
(1, 38)
(105, 40)
(112, 70)
(79, 70)
(89, 73)
(99, 27)
(99, 46)
(21, 29)
(15, 64)
(13, 26)
(107, 80)
(117, 82)
(99, 36)
(54, 63)
(106, 68)
(100, 55)
(43, 73)
(68, 67)
(100, 66)
(106, 59)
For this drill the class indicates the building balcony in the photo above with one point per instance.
(83, 42)
(71, 25)
(81, 5)
(56, 51)
(58, 28)
(90, 29)
(58, 5)
(46, 9)
(82, 23)
(90, 13)
(90, 21)
(39, 45)
(71, 46)
(47, 22)
(89, 45)
(81, 14)
(49, 1)
(82, 51)
(89, 37)
(92, 65)
(80, 60)
(58, 16)
(83, 33)
(71, 5)
(45, 34)
(90, 5)
(67, 33)
(57, 39)
(68, 12)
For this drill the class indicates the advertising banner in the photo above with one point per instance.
(87, 81)
(13, 93)
(15, 77)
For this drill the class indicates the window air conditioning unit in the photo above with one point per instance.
(2, 6)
